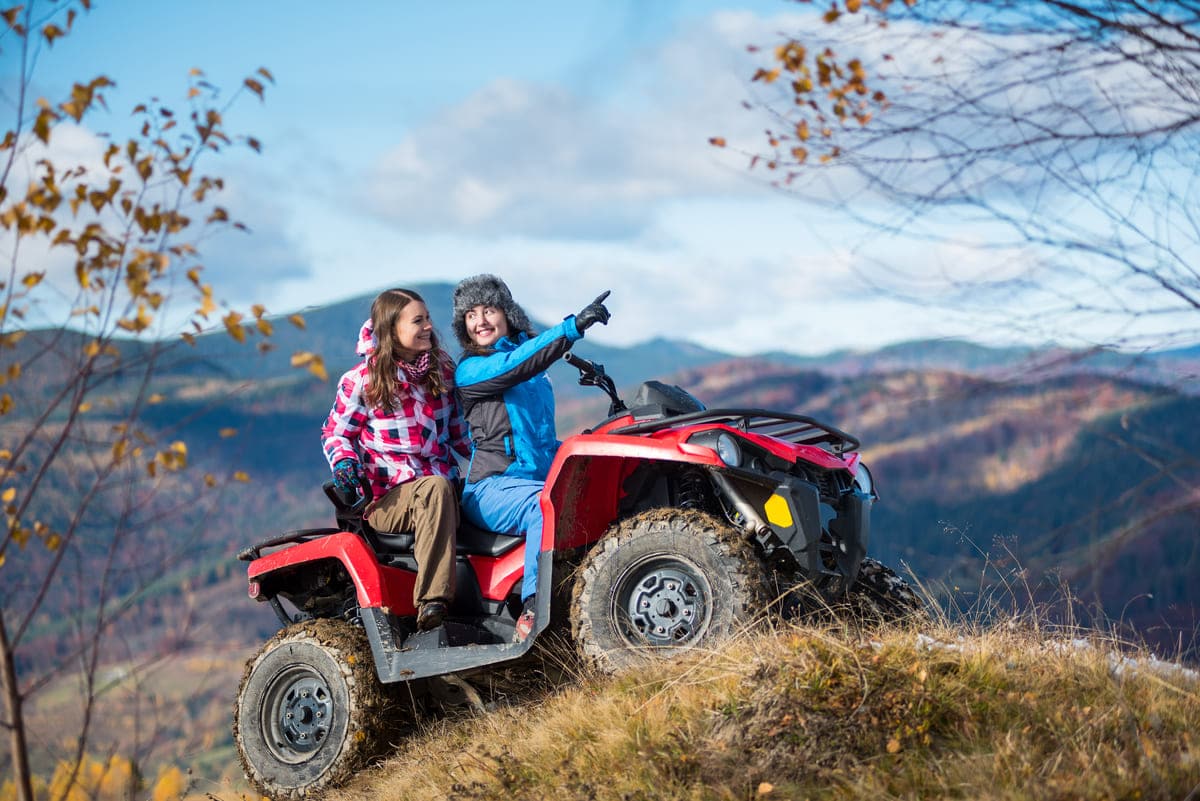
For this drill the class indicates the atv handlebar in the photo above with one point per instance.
(592, 374)
(583, 365)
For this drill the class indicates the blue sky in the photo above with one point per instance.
(563, 147)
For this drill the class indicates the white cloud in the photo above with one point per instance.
(537, 160)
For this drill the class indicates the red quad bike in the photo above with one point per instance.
(674, 525)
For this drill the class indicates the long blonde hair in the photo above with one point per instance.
(384, 363)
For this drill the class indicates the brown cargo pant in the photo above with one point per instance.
(428, 507)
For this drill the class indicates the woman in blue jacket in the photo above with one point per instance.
(508, 404)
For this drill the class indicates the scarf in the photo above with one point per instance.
(416, 371)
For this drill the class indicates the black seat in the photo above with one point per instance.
(470, 540)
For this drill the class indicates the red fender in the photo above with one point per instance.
(377, 585)
(583, 487)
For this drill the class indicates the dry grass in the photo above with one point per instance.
(1011, 711)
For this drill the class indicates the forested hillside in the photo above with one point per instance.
(1078, 481)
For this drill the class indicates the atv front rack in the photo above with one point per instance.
(795, 428)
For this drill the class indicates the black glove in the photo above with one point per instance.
(593, 313)
(347, 476)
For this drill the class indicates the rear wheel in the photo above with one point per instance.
(310, 710)
(660, 583)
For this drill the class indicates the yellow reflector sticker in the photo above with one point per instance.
(777, 511)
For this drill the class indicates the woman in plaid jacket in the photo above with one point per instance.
(396, 422)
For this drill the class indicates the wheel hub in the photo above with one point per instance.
(666, 606)
(299, 712)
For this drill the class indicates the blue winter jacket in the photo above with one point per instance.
(509, 404)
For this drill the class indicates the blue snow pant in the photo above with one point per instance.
(509, 506)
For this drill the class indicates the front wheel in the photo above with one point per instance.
(881, 594)
(660, 583)
(310, 710)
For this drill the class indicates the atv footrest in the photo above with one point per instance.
(432, 653)
(425, 640)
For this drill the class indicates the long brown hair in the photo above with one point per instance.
(384, 363)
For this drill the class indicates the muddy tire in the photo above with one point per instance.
(880, 594)
(661, 583)
(310, 710)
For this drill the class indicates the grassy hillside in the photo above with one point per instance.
(1014, 708)
(1015, 711)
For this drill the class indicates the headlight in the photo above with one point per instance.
(863, 481)
(728, 450)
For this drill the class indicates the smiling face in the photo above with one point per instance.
(414, 331)
(486, 325)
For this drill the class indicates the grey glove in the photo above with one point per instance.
(594, 312)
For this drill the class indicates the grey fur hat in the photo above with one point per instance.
(486, 290)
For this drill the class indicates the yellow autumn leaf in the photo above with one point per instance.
(9, 495)
(85, 406)
(157, 397)
(297, 321)
(893, 746)
(233, 326)
(314, 363)
(765, 788)
(207, 304)
(32, 279)
(210, 480)
(241, 475)
(226, 433)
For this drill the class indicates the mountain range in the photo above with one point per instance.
(1076, 464)
(1076, 459)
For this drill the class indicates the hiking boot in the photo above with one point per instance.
(525, 620)
(431, 615)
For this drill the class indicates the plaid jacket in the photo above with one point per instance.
(416, 440)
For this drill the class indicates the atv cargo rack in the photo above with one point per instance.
(795, 428)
